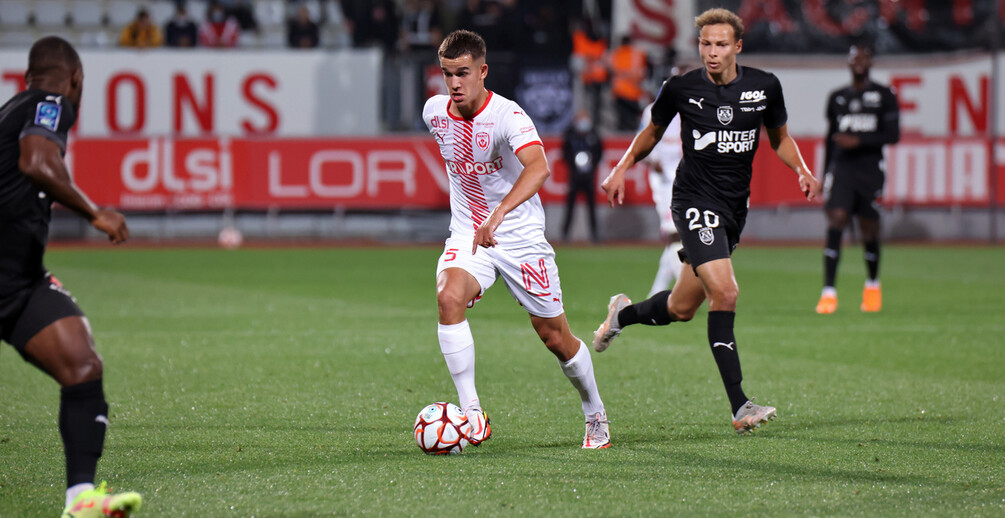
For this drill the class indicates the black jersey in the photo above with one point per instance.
(873, 116)
(24, 209)
(720, 128)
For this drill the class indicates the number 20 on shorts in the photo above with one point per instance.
(693, 215)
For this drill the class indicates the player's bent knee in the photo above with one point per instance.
(682, 315)
(85, 369)
(724, 300)
(450, 300)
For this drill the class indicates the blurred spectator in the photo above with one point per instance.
(242, 11)
(628, 65)
(582, 149)
(141, 33)
(374, 22)
(301, 31)
(180, 31)
(546, 31)
(218, 29)
(494, 21)
(589, 54)
(420, 23)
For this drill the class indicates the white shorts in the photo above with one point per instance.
(662, 188)
(530, 272)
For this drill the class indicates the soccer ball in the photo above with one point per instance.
(230, 238)
(441, 428)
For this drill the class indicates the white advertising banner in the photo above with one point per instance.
(942, 98)
(232, 93)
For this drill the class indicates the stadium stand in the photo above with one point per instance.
(87, 14)
(15, 14)
(50, 14)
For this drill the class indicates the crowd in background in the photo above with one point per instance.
(397, 26)
(219, 27)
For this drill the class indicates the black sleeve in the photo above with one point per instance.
(775, 116)
(664, 109)
(889, 123)
(50, 117)
(831, 128)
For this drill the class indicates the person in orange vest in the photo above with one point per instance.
(628, 65)
(141, 33)
(589, 52)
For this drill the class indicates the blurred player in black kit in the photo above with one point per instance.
(38, 316)
(862, 117)
(721, 106)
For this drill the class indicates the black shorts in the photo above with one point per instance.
(856, 196)
(707, 233)
(33, 309)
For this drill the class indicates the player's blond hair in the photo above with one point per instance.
(719, 15)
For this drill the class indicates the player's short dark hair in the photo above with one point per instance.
(50, 54)
(461, 42)
(720, 15)
(864, 45)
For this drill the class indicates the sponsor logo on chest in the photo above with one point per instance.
(753, 96)
(726, 141)
(858, 122)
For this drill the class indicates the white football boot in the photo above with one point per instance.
(480, 430)
(598, 435)
(609, 329)
(750, 416)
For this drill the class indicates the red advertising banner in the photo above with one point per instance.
(407, 172)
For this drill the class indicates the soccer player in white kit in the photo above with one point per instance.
(496, 164)
(662, 162)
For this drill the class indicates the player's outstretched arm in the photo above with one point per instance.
(42, 161)
(788, 151)
(642, 145)
(535, 172)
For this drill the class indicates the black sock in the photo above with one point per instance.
(832, 253)
(723, 343)
(83, 418)
(872, 259)
(651, 312)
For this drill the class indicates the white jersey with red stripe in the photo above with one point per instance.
(481, 162)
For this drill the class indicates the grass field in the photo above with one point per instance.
(284, 383)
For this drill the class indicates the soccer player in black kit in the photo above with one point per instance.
(38, 316)
(862, 117)
(722, 107)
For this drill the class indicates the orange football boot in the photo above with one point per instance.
(872, 299)
(828, 304)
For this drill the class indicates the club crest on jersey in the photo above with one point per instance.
(482, 140)
(706, 236)
(47, 115)
(725, 114)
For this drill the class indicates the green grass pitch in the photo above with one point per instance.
(284, 383)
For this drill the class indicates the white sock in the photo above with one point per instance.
(872, 284)
(668, 270)
(579, 370)
(75, 490)
(458, 348)
(829, 291)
